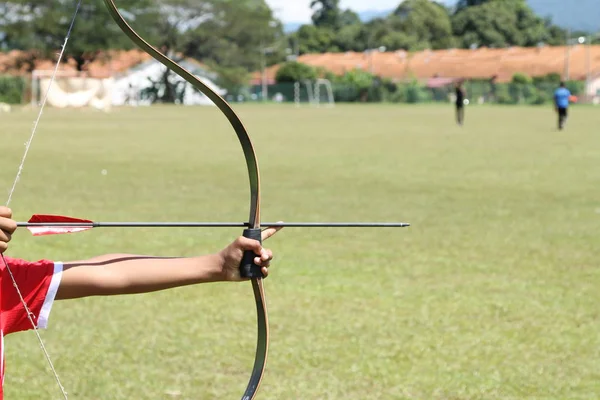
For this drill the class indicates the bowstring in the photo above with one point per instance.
(30, 315)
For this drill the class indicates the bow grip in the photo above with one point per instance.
(247, 267)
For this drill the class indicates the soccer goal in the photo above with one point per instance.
(303, 93)
(315, 93)
(70, 89)
(323, 93)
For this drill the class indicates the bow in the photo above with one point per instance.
(253, 231)
(253, 227)
(247, 268)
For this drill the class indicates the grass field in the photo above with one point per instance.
(492, 293)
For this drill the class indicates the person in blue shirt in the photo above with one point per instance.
(561, 104)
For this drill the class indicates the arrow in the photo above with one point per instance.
(41, 224)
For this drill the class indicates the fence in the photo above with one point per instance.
(414, 92)
(16, 90)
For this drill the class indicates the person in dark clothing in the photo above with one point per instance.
(460, 103)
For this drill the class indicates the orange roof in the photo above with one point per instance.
(109, 64)
(457, 63)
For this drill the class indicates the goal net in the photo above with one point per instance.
(317, 94)
(323, 93)
(71, 89)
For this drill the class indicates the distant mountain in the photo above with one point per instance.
(580, 15)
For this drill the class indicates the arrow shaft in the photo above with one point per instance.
(213, 224)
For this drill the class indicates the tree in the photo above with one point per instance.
(312, 39)
(376, 33)
(498, 23)
(461, 4)
(426, 21)
(555, 35)
(349, 17)
(40, 27)
(295, 72)
(235, 37)
(327, 13)
(350, 38)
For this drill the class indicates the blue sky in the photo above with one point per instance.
(299, 10)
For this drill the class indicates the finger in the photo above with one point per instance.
(5, 212)
(7, 225)
(266, 255)
(250, 244)
(3, 247)
(270, 231)
(265, 271)
(5, 236)
(263, 262)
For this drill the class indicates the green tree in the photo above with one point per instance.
(498, 23)
(40, 27)
(349, 17)
(295, 72)
(354, 86)
(312, 39)
(350, 38)
(426, 21)
(378, 32)
(555, 35)
(237, 33)
(521, 79)
(326, 13)
(235, 37)
(461, 4)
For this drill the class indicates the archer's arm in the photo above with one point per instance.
(129, 274)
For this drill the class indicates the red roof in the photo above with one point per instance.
(109, 64)
(482, 63)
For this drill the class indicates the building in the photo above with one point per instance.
(117, 78)
(576, 62)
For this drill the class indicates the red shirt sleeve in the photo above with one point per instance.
(38, 282)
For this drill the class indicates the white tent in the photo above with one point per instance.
(126, 88)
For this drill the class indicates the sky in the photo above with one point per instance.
(299, 10)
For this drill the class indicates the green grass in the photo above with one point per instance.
(492, 293)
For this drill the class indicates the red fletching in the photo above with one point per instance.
(56, 230)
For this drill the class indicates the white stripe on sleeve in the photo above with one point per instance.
(50, 295)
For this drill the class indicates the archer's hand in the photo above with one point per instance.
(231, 255)
(7, 227)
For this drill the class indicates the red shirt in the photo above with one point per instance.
(38, 282)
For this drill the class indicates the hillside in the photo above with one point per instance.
(580, 15)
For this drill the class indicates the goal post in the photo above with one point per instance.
(303, 92)
(315, 93)
(324, 93)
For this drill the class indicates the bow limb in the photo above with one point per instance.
(247, 268)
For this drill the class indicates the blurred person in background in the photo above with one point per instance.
(562, 96)
(460, 95)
